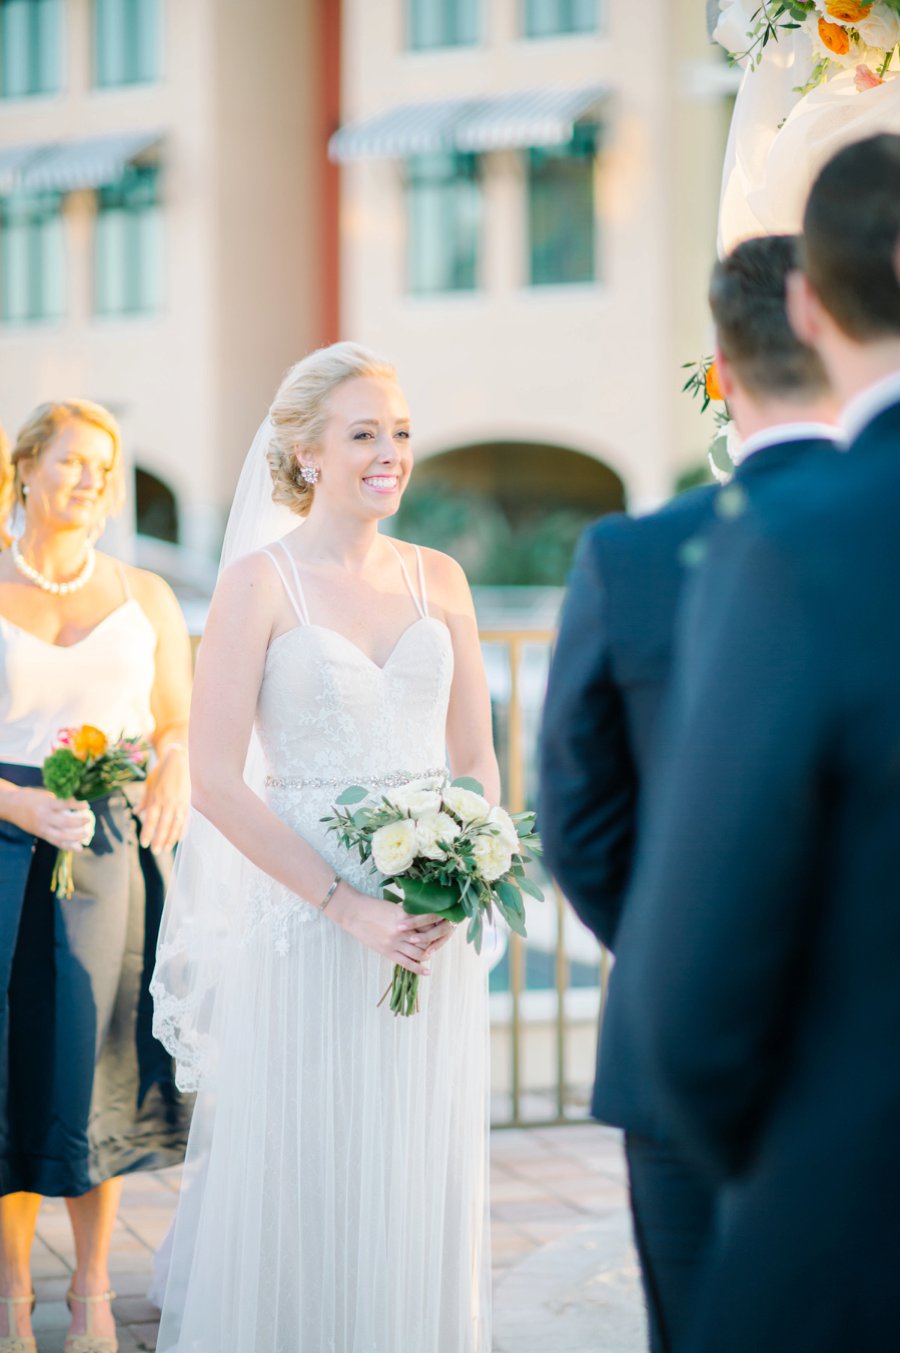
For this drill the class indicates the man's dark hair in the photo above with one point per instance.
(747, 296)
(850, 234)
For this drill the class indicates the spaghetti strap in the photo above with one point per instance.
(123, 579)
(297, 601)
(419, 602)
(301, 599)
(420, 569)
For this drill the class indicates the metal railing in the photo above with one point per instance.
(554, 1103)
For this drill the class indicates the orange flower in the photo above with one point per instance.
(88, 742)
(848, 11)
(713, 388)
(836, 39)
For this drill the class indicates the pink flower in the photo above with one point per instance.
(866, 78)
(64, 737)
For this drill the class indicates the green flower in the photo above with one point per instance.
(62, 771)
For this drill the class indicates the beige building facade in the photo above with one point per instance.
(160, 237)
(592, 132)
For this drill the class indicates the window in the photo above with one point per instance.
(32, 283)
(30, 47)
(442, 23)
(126, 42)
(546, 18)
(561, 215)
(443, 221)
(156, 508)
(128, 245)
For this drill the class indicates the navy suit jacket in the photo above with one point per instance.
(760, 944)
(608, 682)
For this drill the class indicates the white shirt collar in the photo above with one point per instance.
(868, 404)
(785, 432)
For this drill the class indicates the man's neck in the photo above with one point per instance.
(855, 367)
(753, 418)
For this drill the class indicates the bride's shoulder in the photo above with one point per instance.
(445, 578)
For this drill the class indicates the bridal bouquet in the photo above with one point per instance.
(442, 849)
(863, 34)
(84, 765)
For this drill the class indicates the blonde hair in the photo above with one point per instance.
(6, 488)
(43, 424)
(299, 413)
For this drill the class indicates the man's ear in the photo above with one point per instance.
(723, 372)
(804, 309)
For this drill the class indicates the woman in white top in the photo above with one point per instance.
(336, 1192)
(86, 1093)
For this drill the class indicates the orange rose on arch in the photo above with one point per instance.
(713, 388)
(88, 741)
(835, 38)
(848, 11)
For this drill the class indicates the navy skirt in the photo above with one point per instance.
(86, 1091)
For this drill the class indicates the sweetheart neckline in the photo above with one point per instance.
(379, 667)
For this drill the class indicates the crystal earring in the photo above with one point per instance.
(309, 474)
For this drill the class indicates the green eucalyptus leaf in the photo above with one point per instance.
(354, 794)
(422, 897)
(466, 782)
(531, 888)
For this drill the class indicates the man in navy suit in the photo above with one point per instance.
(608, 680)
(760, 946)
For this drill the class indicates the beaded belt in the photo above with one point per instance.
(393, 781)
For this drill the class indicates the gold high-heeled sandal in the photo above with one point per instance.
(89, 1342)
(12, 1342)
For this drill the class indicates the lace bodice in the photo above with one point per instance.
(328, 716)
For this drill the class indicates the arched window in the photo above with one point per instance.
(156, 507)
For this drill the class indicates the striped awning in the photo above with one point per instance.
(12, 160)
(528, 117)
(63, 166)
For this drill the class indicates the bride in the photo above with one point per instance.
(335, 1199)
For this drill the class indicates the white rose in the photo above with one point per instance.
(506, 828)
(416, 798)
(493, 856)
(881, 29)
(734, 29)
(432, 828)
(466, 804)
(394, 846)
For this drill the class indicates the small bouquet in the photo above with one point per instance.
(442, 849)
(703, 383)
(860, 34)
(84, 765)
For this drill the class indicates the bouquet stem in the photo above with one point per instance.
(61, 880)
(403, 991)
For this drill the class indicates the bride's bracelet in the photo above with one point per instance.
(331, 892)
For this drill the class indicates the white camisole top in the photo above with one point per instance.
(105, 679)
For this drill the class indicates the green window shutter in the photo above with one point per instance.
(32, 284)
(562, 223)
(30, 47)
(547, 18)
(443, 223)
(128, 265)
(442, 23)
(126, 42)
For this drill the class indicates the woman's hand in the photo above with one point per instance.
(67, 824)
(164, 803)
(386, 928)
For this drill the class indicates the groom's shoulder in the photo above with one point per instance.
(652, 536)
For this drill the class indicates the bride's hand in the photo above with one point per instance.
(386, 928)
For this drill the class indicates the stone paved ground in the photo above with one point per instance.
(565, 1279)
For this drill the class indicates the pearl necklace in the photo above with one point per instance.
(47, 584)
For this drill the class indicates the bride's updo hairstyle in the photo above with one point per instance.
(47, 420)
(299, 413)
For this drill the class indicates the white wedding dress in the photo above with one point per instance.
(341, 1205)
